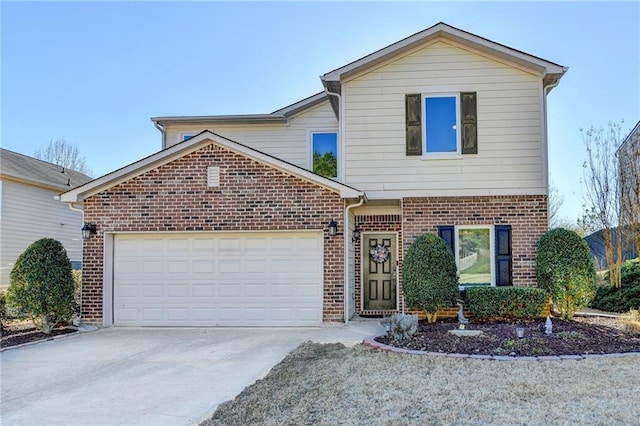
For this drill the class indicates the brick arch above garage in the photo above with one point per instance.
(251, 196)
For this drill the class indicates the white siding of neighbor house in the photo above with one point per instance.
(288, 142)
(511, 154)
(30, 213)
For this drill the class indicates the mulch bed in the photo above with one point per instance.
(581, 336)
(19, 332)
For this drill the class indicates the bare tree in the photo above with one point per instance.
(64, 154)
(629, 163)
(601, 192)
(555, 202)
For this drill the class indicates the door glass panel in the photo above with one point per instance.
(474, 256)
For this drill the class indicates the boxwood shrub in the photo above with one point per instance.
(42, 284)
(505, 303)
(565, 269)
(429, 275)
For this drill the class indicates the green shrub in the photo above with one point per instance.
(565, 269)
(429, 275)
(3, 310)
(42, 284)
(621, 299)
(506, 303)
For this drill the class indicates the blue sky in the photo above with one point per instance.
(94, 72)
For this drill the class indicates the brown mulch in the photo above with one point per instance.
(580, 336)
(19, 332)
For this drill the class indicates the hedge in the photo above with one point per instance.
(506, 303)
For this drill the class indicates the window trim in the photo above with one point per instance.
(492, 250)
(441, 155)
(310, 133)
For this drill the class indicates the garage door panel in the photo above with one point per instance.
(244, 279)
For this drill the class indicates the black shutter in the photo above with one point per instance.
(469, 122)
(414, 124)
(503, 255)
(447, 233)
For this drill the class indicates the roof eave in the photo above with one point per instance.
(223, 119)
(77, 195)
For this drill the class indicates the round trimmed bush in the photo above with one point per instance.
(42, 284)
(429, 275)
(565, 269)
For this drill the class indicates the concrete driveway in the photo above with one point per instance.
(154, 376)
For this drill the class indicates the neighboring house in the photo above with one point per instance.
(229, 224)
(595, 241)
(629, 174)
(29, 211)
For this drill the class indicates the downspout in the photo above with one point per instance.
(76, 209)
(546, 89)
(162, 132)
(346, 211)
(347, 235)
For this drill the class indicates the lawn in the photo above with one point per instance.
(332, 384)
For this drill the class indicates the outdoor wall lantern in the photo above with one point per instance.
(356, 235)
(87, 230)
(332, 227)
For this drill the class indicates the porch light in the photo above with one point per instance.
(87, 230)
(332, 227)
(356, 235)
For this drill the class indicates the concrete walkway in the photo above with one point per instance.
(147, 376)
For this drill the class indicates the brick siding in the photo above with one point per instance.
(527, 214)
(175, 197)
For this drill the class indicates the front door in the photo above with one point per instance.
(379, 272)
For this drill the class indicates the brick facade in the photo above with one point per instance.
(175, 197)
(527, 214)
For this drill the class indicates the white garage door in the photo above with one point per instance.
(236, 279)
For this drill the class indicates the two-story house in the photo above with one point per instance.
(303, 215)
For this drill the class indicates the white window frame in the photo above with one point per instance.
(310, 133)
(492, 249)
(190, 133)
(423, 114)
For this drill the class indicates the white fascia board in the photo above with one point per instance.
(541, 65)
(179, 150)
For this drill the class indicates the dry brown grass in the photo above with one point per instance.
(631, 321)
(331, 384)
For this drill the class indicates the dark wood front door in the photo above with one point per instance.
(379, 272)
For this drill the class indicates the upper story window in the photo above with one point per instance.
(183, 136)
(324, 153)
(441, 125)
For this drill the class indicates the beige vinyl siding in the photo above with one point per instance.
(288, 142)
(510, 156)
(30, 213)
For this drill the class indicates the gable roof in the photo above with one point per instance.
(20, 167)
(202, 139)
(281, 115)
(550, 71)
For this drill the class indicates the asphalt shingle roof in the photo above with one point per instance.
(23, 167)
